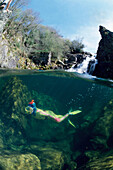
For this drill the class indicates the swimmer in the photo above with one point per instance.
(41, 114)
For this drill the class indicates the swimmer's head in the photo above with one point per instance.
(29, 110)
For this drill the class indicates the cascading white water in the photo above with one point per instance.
(83, 67)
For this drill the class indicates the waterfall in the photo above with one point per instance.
(87, 66)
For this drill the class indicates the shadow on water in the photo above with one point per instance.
(57, 145)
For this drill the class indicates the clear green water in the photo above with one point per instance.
(60, 92)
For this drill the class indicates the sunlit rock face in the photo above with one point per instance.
(7, 59)
(4, 15)
(104, 68)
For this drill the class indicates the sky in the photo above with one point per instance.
(76, 19)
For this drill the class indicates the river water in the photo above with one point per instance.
(57, 145)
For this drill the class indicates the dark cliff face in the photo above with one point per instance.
(104, 68)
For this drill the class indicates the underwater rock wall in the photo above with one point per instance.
(27, 142)
(104, 162)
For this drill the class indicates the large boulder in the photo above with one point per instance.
(19, 161)
(51, 157)
(104, 67)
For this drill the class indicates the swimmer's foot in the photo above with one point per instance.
(75, 112)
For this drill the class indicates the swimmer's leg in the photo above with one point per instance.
(51, 114)
(60, 118)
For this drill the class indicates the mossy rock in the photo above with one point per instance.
(50, 157)
(19, 161)
(14, 98)
(105, 162)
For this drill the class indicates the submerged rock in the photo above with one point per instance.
(101, 137)
(14, 96)
(95, 139)
(105, 162)
(52, 157)
(19, 161)
(104, 67)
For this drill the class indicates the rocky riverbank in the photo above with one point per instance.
(12, 56)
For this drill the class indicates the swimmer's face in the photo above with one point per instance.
(28, 110)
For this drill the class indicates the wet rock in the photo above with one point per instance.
(105, 162)
(2, 137)
(51, 157)
(19, 161)
(75, 59)
(14, 99)
(104, 67)
(100, 138)
(91, 67)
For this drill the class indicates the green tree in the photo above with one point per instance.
(19, 25)
(45, 40)
(77, 46)
(28, 38)
(51, 41)
(67, 46)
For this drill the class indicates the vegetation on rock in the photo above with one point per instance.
(27, 38)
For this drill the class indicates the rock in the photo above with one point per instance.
(7, 59)
(91, 66)
(95, 139)
(4, 15)
(14, 99)
(101, 137)
(75, 59)
(41, 58)
(104, 67)
(19, 161)
(104, 162)
(51, 157)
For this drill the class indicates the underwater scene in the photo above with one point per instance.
(55, 120)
